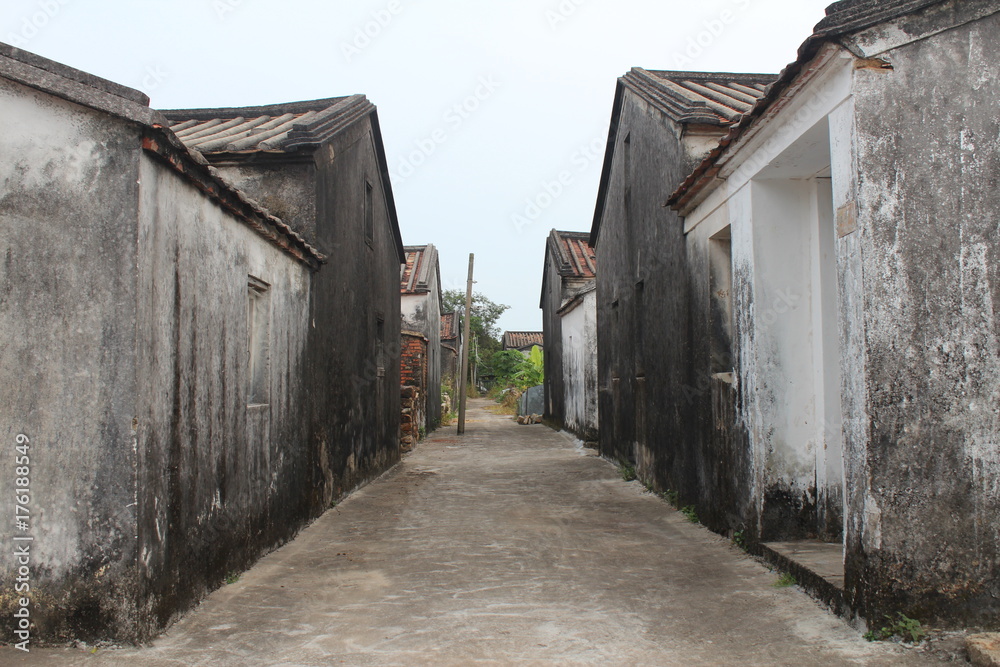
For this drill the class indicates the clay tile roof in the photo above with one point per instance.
(711, 98)
(519, 340)
(449, 326)
(415, 275)
(574, 256)
(842, 18)
(271, 128)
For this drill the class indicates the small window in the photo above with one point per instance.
(258, 341)
(369, 213)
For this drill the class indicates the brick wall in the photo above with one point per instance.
(413, 380)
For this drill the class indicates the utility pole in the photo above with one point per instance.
(463, 389)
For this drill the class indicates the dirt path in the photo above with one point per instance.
(509, 545)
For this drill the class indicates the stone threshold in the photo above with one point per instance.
(817, 566)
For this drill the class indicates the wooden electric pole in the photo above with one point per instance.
(463, 389)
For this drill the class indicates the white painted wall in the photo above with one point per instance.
(778, 198)
(579, 348)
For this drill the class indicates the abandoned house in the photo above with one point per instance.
(523, 341)
(569, 324)
(420, 303)
(825, 288)
(451, 348)
(198, 311)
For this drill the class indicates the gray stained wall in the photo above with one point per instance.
(654, 399)
(352, 368)
(68, 284)
(552, 291)
(923, 491)
(219, 482)
(160, 461)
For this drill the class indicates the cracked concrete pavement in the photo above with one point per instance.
(508, 545)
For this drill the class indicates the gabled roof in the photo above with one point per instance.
(519, 340)
(105, 96)
(688, 98)
(573, 255)
(290, 129)
(842, 18)
(420, 268)
(276, 127)
(449, 326)
(709, 98)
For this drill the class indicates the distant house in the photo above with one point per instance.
(420, 303)
(569, 322)
(804, 343)
(523, 341)
(451, 348)
(196, 312)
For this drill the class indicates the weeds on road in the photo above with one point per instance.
(908, 629)
(626, 470)
(785, 580)
(232, 577)
(689, 513)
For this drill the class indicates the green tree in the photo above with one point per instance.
(512, 369)
(484, 333)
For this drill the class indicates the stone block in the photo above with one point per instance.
(984, 649)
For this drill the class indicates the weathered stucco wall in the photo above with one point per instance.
(766, 238)
(68, 201)
(422, 313)
(220, 482)
(654, 389)
(552, 296)
(579, 356)
(285, 188)
(354, 420)
(925, 530)
(352, 370)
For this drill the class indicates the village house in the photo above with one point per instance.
(523, 341)
(569, 324)
(662, 125)
(451, 348)
(198, 311)
(420, 303)
(832, 370)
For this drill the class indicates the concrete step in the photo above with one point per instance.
(817, 566)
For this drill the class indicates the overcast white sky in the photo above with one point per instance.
(482, 102)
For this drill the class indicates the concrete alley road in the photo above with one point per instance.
(507, 546)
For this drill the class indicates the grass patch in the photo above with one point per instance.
(785, 580)
(907, 629)
(232, 577)
(689, 513)
(626, 470)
